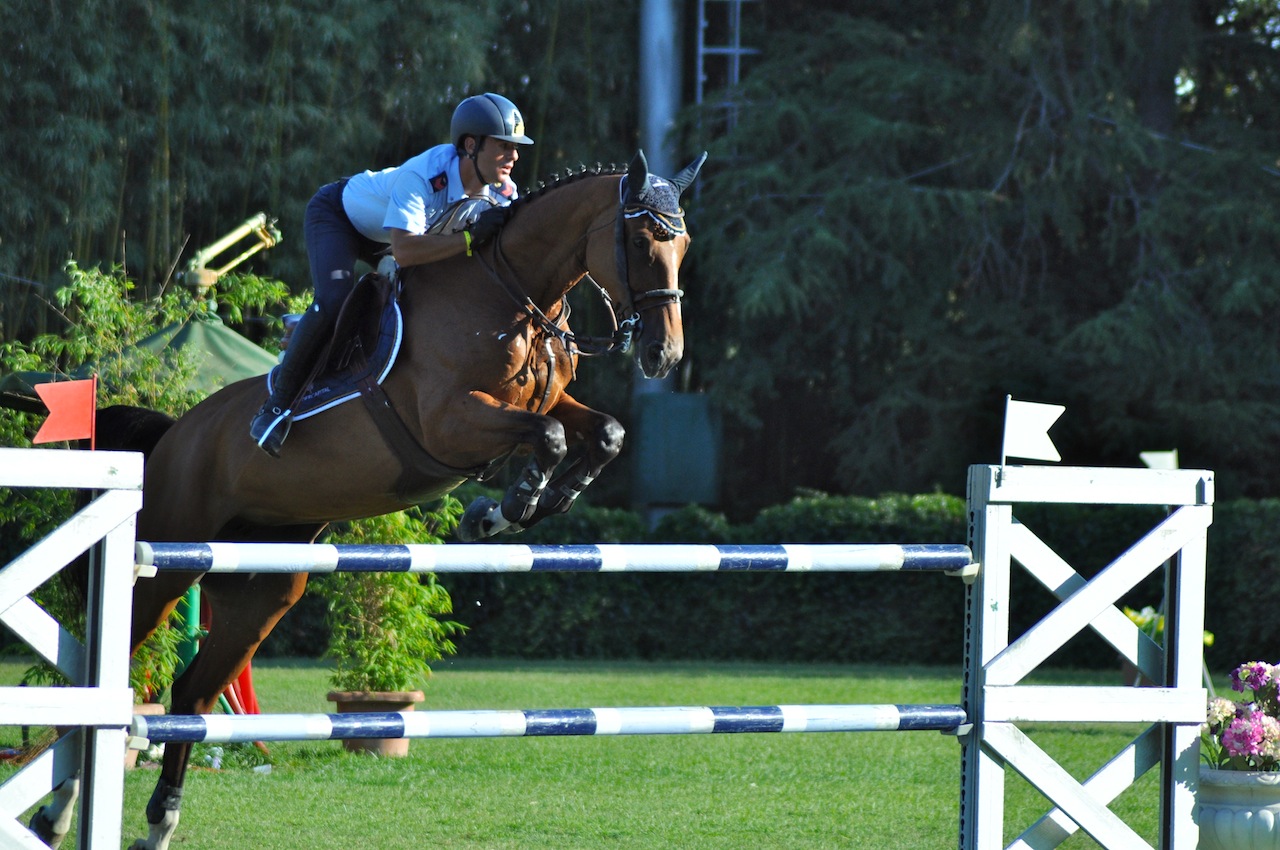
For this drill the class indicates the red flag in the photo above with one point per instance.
(72, 410)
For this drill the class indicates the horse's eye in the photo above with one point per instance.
(640, 242)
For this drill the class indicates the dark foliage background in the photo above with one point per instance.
(931, 206)
(911, 209)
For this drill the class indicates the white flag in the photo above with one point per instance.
(1026, 430)
(1160, 460)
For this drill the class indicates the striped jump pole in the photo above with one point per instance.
(512, 558)
(705, 720)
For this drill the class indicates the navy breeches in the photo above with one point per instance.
(333, 247)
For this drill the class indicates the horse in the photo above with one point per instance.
(485, 358)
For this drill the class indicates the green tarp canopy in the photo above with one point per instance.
(221, 356)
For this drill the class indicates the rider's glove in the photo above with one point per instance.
(487, 225)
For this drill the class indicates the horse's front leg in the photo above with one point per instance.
(600, 437)
(546, 437)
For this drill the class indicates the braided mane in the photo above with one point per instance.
(569, 176)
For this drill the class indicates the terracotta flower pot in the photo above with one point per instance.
(354, 702)
(148, 708)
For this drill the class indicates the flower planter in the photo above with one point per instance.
(148, 708)
(1239, 809)
(354, 702)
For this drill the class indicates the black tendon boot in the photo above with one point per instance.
(271, 424)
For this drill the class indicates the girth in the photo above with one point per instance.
(418, 467)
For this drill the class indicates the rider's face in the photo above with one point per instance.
(495, 159)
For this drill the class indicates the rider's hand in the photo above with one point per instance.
(487, 225)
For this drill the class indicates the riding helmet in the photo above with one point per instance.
(488, 115)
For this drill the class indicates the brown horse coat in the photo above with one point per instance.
(481, 373)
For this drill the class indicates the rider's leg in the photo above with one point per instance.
(333, 246)
(270, 426)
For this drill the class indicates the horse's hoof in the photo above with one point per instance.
(478, 520)
(43, 828)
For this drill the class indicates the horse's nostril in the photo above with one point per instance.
(655, 353)
(658, 357)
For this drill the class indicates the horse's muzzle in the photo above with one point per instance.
(658, 357)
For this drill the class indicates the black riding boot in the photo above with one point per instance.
(271, 425)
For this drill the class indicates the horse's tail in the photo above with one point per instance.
(122, 427)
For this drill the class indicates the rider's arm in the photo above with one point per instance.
(414, 249)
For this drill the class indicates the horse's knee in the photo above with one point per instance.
(551, 445)
(609, 437)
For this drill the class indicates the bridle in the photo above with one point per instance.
(666, 225)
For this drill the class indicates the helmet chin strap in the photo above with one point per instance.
(471, 155)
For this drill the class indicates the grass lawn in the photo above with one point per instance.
(793, 791)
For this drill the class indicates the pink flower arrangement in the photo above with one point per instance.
(1245, 734)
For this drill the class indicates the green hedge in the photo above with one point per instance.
(1244, 584)
(740, 616)
(899, 618)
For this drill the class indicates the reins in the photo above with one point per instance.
(559, 327)
(587, 346)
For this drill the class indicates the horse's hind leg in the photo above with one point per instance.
(244, 610)
(53, 820)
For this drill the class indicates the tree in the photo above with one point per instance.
(931, 207)
(138, 131)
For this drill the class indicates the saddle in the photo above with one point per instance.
(358, 357)
(362, 349)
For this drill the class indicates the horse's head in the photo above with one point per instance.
(650, 241)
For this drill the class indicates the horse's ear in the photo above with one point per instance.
(686, 177)
(637, 175)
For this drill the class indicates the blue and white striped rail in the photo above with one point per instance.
(239, 728)
(511, 558)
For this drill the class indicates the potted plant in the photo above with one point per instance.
(384, 627)
(152, 670)
(1239, 797)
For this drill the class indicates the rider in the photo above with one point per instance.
(358, 217)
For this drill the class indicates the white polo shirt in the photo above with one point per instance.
(409, 196)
